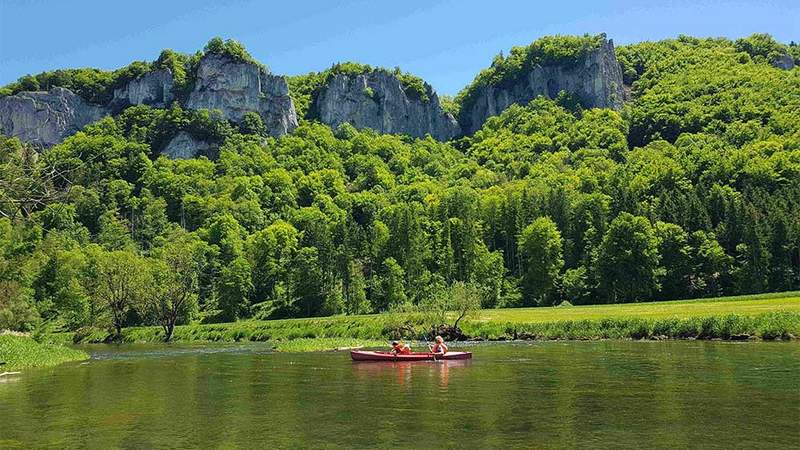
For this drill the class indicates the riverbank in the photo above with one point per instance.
(22, 352)
(767, 317)
(322, 344)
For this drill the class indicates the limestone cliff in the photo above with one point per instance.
(153, 88)
(46, 118)
(379, 100)
(596, 79)
(237, 87)
(185, 146)
(374, 98)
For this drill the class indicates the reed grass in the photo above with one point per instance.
(327, 344)
(21, 352)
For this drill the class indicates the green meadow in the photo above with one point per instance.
(749, 305)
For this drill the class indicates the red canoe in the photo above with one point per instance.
(363, 355)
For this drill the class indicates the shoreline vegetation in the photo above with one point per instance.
(19, 351)
(763, 317)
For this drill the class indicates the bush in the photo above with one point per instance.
(230, 48)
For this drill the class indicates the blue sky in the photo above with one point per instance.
(445, 42)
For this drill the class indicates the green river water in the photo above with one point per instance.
(522, 395)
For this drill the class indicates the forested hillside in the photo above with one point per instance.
(691, 190)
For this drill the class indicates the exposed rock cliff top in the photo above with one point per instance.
(586, 68)
(379, 100)
(236, 87)
(153, 88)
(46, 118)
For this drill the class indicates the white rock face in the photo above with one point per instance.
(236, 87)
(378, 100)
(46, 118)
(153, 88)
(185, 146)
(596, 80)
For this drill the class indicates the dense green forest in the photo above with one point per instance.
(692, 190)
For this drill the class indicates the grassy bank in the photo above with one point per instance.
(769, 316)
(338, 331)
(767, 326)
(763, 316)
(20, 352)
(326, 344)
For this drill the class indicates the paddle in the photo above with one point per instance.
(429, 347)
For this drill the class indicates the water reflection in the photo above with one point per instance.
(403, 373)
(539, 395)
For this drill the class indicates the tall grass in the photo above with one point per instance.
(768, 326)
(326, 344)
(20, 352)
(379, 327)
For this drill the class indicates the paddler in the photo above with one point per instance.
(438, 347)
(399, 348)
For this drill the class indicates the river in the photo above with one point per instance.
(521, 395)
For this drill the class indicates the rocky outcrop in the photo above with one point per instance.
(378, 100)
(46, 118)
(785, 62)
(596, 79)
(185, 146)
(153, 88)
(236, 87)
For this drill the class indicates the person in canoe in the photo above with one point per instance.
(398, 348)
(438, 347)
